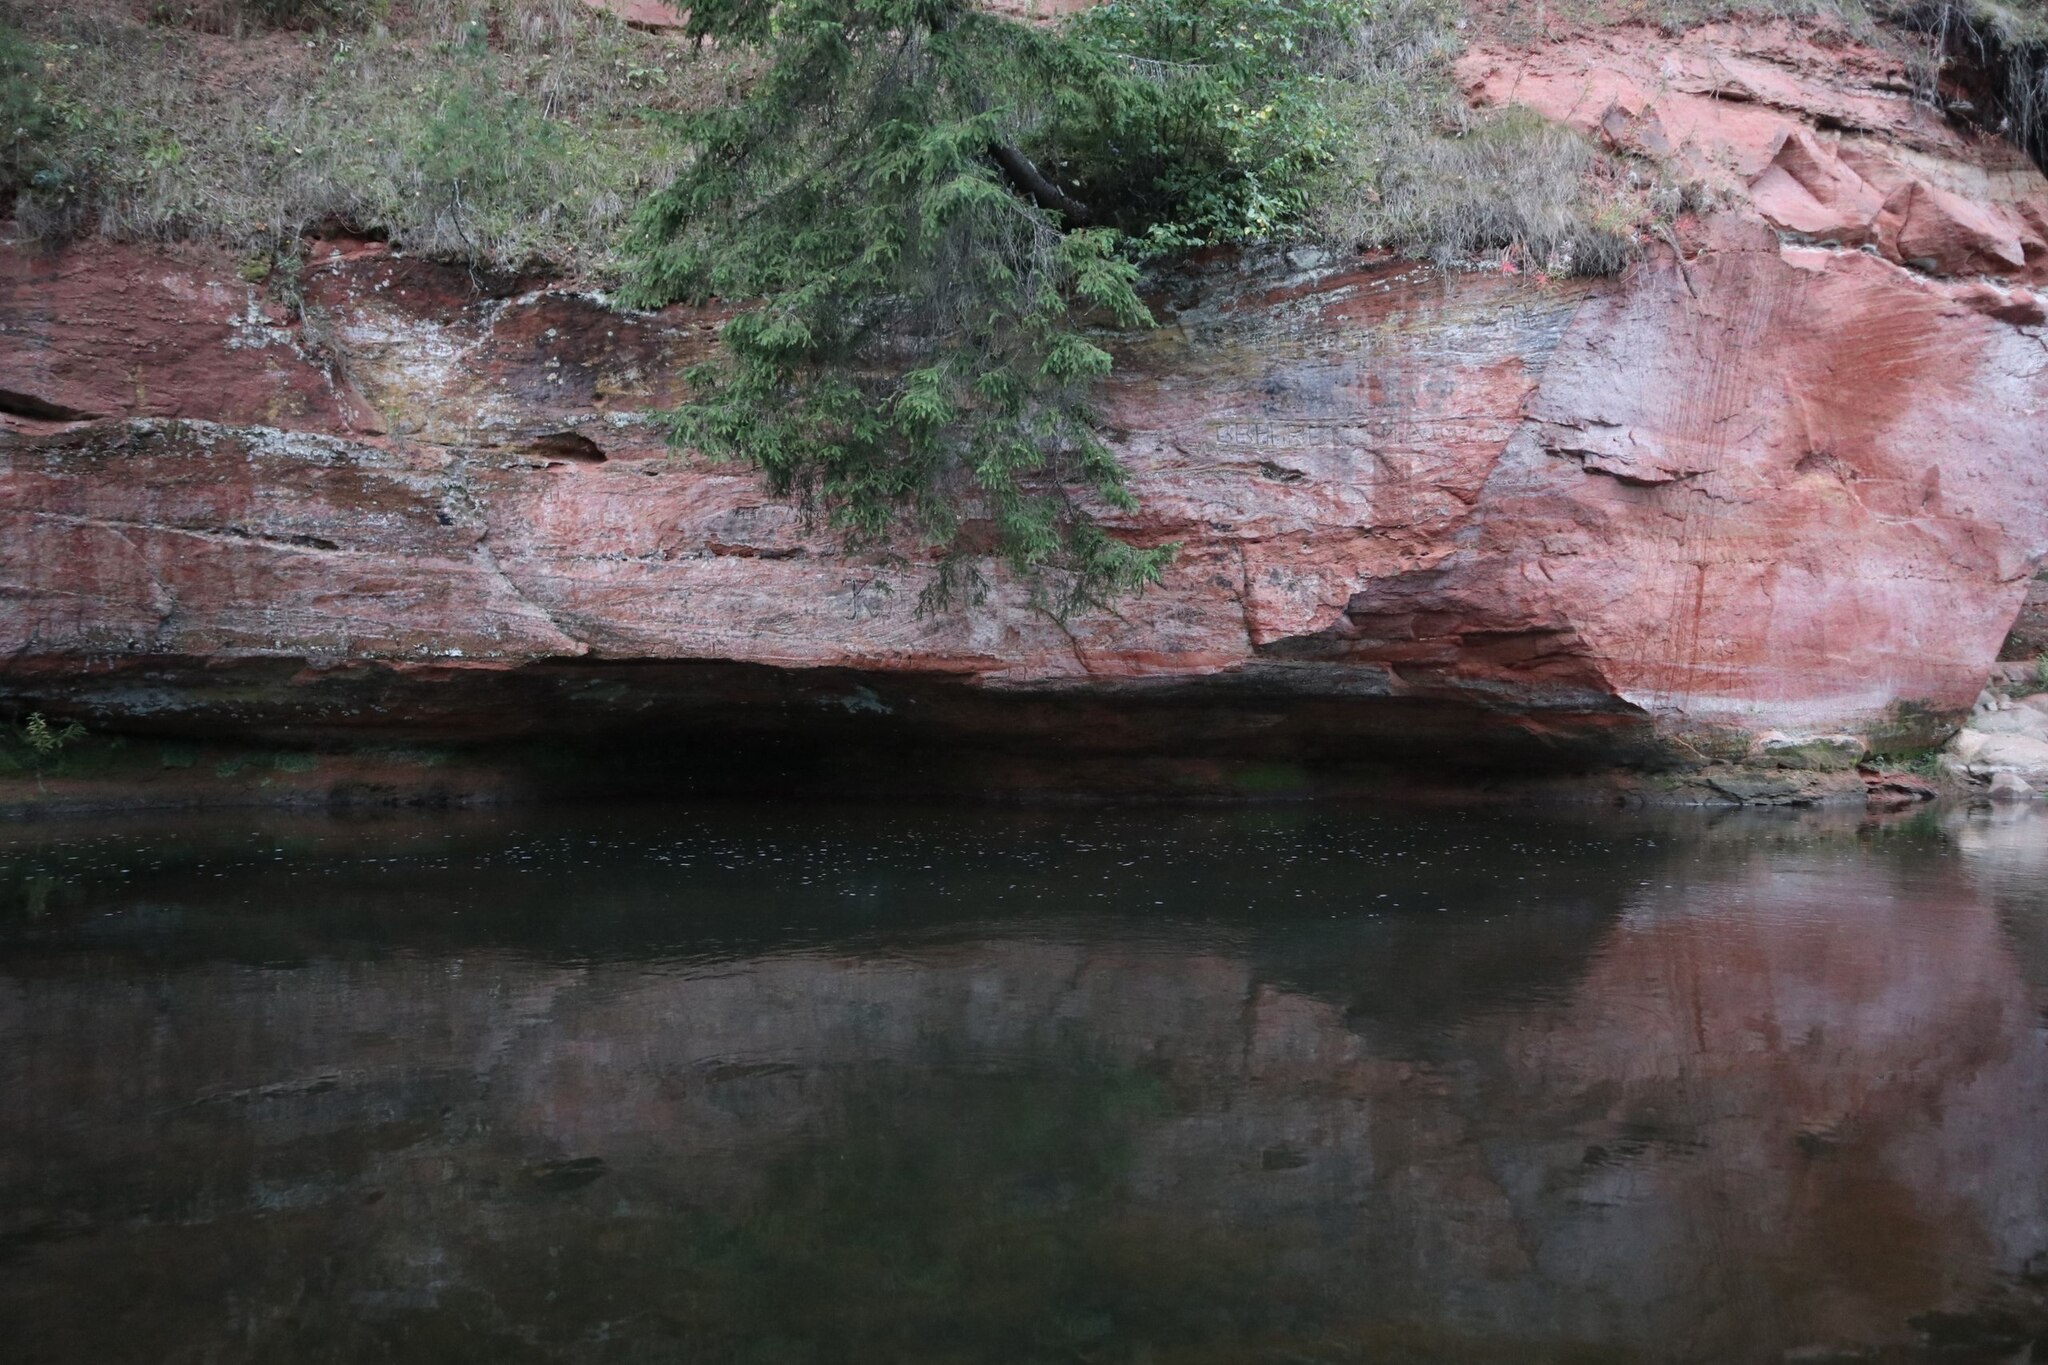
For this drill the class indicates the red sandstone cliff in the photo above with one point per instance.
(1787, 476)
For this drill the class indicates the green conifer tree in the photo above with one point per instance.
(924, 212)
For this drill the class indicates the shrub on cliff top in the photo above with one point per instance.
(25, 118)
(927, 206)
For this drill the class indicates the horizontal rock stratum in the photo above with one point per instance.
(1786, 473)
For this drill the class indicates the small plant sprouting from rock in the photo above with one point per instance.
(1922, 763)
(45, 740)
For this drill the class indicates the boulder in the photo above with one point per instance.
(2023, 755)
(2007, 786)
(1819, 753)
(1807, 189)
(1898, 789)
(1933, 230)
(2010, 719)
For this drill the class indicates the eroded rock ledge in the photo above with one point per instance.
(1783, 476)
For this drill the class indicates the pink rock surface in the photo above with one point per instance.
(1820, 141)
(1792, 481)
(650, 14)
(157, 333)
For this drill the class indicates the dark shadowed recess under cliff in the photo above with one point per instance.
(279, 730)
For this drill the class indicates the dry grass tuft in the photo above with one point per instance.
(1516, 182)
(511, 133)
(1423, 177)
(237, 17)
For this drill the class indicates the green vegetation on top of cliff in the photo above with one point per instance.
(509, 135)
(522, 133)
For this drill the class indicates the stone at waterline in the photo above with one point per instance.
(1760, 791)
(1991, 754)
(1817, 753)
(2012, 720)
(2010, 787)
(571, 1174)
(1898, 789)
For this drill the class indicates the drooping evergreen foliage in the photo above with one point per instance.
(921, 210)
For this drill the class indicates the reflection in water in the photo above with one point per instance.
(921, 1087)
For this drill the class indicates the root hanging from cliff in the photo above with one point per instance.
(1990, 66)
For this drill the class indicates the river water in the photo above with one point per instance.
(784, 1084)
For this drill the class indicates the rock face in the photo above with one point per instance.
(2029, 637)
(650, 14)
(1785, 474)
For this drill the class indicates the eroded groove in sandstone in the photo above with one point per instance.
(27, 405)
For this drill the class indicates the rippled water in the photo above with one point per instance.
(791, 1085)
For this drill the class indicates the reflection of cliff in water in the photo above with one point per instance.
(2004, 852)
(1671, 1093)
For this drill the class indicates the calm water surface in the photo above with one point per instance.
(813, 1085)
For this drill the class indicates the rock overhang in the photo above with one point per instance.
(1780, 476)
